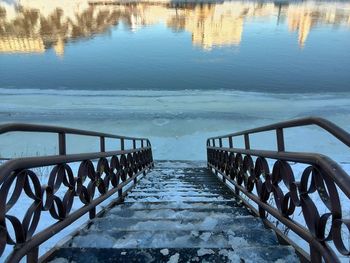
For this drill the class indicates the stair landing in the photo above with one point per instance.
(179, 212)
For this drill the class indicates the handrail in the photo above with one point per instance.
(66, 184)
(257, 181)
(330, 127)
(24, 127)
(63, 131)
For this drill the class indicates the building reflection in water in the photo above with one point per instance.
(33, 26)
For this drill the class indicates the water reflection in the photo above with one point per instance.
(33, 26)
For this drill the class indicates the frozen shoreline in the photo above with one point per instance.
(177, 122)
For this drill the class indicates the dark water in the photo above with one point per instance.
(295, 47)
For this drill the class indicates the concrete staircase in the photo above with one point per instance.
(179, 212)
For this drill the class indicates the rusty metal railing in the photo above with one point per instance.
(277, 193)
(90, 184)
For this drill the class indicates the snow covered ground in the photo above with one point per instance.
(177, 122)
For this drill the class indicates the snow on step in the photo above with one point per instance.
(182, 214)
(175, 239)
(177, 213)
(281, 254)
(217, 222)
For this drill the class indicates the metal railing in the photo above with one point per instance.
(90, 184)
(277, 193)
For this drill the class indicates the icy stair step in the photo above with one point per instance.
(197, 212)
(220, 222)
(176, 238)
(179, 255)
(179, 206)
(176, 213)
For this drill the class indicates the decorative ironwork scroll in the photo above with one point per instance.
(94, 178)
(267, 178)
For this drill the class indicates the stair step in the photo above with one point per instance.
(167, 213)
(147, 187)
(180, 255)
(183, 194)
(175, 239)
(184, 190)
(183, 177)
(179, 198)
(180, 165)
(159, 185)
(188, 205)
(217, 222)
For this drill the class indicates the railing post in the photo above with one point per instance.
(280, 140)
(120, 193)
(220, 142)
(230, 142)
(102, 144)
(246, 141)
(141, 143)
(33, 255)
(213, 142)
(134, 144)
(62, 143)
(315, 256)
(122, 146)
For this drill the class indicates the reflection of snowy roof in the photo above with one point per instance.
(218, 24)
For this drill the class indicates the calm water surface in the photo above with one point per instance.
(249, 46)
